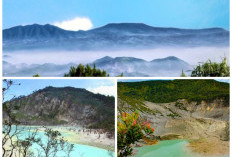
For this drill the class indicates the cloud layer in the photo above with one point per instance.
(78, 23)
(105, 90)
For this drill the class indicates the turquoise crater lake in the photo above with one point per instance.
(78, 151)
(168, 148)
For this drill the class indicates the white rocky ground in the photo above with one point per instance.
(206, 125)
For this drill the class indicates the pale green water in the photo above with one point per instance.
(168, 148)
(79, 150)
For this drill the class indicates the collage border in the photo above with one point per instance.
(116, 79)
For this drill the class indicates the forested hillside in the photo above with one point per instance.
(66, 106)
(163, 91)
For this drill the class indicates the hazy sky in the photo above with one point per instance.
(87, 14)
(102, 86)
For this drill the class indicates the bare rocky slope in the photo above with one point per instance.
(185, 120)
(172, 117)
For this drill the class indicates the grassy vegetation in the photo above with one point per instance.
(135, 104)
(173, 114)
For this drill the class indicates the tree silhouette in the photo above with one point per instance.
(182, 74)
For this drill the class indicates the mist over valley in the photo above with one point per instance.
(50, 51)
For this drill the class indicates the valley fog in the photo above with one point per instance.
(191, 55)
(57, 63)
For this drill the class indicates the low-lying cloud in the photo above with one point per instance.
(191, 55)
(75, 24)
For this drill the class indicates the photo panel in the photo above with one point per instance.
(162, 86)
(133, 38)
(58, 117)
(178, 118)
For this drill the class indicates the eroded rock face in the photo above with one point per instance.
(187, 120)
(66, 106)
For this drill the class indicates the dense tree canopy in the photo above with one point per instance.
(85, 71)
(164, 91)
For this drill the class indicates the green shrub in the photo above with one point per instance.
(212, 69)
(130, 130)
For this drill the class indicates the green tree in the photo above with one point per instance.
(94, 69)
(36, 75)
(182, 74)
(85, 71)
(72, 71)
(54, 143)
(121, 75)
(80, 71)
(88, 71)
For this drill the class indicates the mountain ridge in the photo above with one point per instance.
(111, 25)
(110, 36)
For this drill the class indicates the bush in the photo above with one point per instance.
(131, 130)
(36, 75)
(181, 106)
(212, 69)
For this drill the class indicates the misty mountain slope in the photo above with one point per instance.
(129, 66)
(47, 69)
(67, 105)
(170, 63)
(110, 36)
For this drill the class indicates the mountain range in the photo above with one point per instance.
(64, 106)
(109, 37)
(129, 66)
